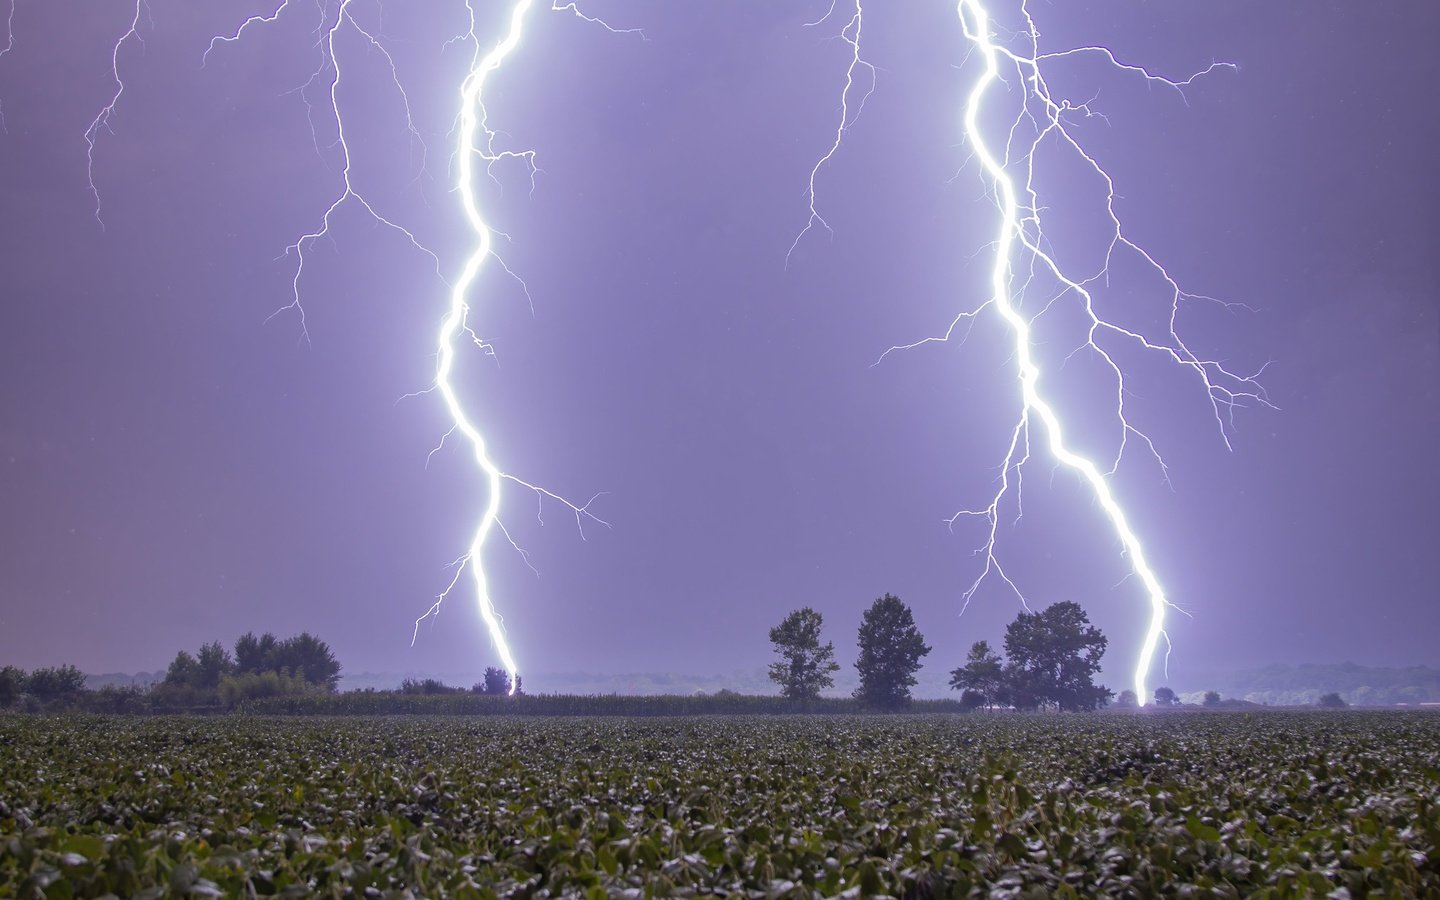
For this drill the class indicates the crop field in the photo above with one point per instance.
(1192, 804)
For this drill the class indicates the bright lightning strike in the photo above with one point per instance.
(1021, 258)
(476, 140)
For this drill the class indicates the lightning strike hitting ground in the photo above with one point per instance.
(475, 140)
(1021, 259)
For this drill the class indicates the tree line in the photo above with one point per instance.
(1051, 659)
(211, 678)
(263, 666)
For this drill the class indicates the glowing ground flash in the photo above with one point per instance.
(1020, 251)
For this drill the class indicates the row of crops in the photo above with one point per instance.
(1279, 804)
(728, 703)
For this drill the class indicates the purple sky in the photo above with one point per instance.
(173, 469)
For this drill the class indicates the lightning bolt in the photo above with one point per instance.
(101, 122)
(850, 35)
(476, 140)
(9, 45)
(1022, 260)
(328, 77)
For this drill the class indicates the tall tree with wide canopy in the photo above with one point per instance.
(1053, 656)
(983, 673)
(891, 648)
(806, 667)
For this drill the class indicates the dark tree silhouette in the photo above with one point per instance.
(891, 648)
(212, 663)
(55, 683)
(1054, 656)
(982, 674)
(1165, 697)
(496, 681)
(305, 655)
(252, 654)
(12, 684)
(806, 667)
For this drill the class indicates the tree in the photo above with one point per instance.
(12, 684)
(1165, 697)
(1331, 700)
(428, 686)
(1054, 656)
(252, 654)
(1126, 699)
(805, 667)
(183, 671)
(891, 648)
(60, 682)
(308, 656)
(981, 674)
(212, 663)
(1212, 698)
(496, 681)
(303, 656)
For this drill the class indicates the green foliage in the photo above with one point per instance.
(12, 684)
(495, 682)
(305, 656)
(261, 667)
(237, 689)
(57, 683)
(891, 648)
(253, 654)
(806, 667)
(1053, 657)
(428, 686)
(721, 703)
(115, 699)
(183, 671)
(1272, 805)
(982, 674)
(212, 663)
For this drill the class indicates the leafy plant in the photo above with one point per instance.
(1277, 804)
(806, 667)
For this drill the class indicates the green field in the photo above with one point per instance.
(1193, 804)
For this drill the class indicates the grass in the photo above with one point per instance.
(1279, 804)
